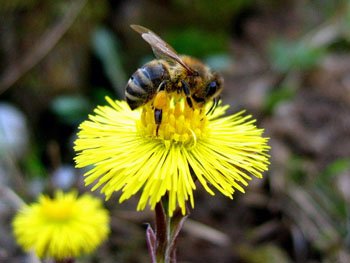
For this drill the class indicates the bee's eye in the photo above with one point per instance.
(212, 88)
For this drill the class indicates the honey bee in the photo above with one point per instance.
(168, 73)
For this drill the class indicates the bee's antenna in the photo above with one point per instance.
(214, 105)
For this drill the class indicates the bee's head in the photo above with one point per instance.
(214, 86)
(211, 88)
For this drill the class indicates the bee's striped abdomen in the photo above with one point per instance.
(143, 84)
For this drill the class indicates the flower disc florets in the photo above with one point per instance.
(58, 209)
(126, 153)
(62, 227)
(180, 122)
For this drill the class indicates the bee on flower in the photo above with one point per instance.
(169, 133)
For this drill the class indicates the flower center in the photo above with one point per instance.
(180, 122)
(57, 209)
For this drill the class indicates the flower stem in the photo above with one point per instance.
(162, 243)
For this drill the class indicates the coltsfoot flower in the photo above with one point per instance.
(126, 153)
(63, 227)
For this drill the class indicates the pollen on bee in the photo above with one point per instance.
(180, 123)
(160, 100)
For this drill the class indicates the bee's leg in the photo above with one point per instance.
(159, 102)
(158, 118)
(186, 90)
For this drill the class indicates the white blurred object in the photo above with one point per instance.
(343, 184)
(64, 177)
(3, 177)
(13, 131)
(36, 186)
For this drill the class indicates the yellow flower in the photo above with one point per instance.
(63, 227)
(127, 154)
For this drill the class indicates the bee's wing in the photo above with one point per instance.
(161, 49)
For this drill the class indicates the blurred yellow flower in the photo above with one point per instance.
(128, 153)
(63, 227)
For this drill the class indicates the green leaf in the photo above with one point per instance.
(277, 96)
(288, 56)
(196, 42)
(71, 109)
(33, 165)
(297, 174)
(218, 62)
(337, 167)
(106, 47)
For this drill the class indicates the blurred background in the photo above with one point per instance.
(286, 62)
